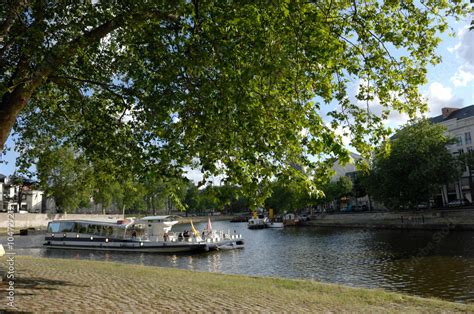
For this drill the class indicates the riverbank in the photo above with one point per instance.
(452, 219)
(78, 285)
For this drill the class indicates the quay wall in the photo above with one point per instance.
(40, 221)
(461, 219)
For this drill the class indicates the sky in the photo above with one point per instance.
(450, 84)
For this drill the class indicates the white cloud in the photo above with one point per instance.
(439, 96)
(463, 76)
(464, 50)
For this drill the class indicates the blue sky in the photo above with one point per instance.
(450, 83)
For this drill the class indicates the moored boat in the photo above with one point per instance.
(149, 234)
(291, 220)
(257, 222)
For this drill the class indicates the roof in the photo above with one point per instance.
(461, 113)
(92, 222)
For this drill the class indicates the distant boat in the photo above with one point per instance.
(257, 222)
(291, 220)
(150, 234)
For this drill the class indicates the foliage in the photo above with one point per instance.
(288, 196)
(335, 190)
(65, 177)
(224, 85)
(418, 163)
(225, 198)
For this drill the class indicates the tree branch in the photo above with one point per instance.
(107, 87)
(12, 15)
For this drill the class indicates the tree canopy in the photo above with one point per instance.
(248, 88)
(418, 163)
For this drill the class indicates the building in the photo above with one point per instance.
(32, 200)
(460, 125)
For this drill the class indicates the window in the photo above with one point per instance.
(459, 140)
(53, 227)
(66, 227)
(467, 138)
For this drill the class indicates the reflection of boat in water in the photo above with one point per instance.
(148, 234)
(231, 246)
(275, 224)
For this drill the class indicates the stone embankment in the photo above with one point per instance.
(458, 219)
(40, 221)
(60, 285)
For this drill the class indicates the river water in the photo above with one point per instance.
(424, 263)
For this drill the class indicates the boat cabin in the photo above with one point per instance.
(147, 228)
(157, 226)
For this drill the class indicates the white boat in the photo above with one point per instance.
(258, 222)
(149, 234)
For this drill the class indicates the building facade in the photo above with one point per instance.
(459, 123)
(32, 200)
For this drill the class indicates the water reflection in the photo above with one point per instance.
(388, 259)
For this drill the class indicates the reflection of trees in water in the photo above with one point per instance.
(425, 264)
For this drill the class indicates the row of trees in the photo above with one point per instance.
(413, 167)
(74, 182)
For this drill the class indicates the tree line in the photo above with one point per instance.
(406, 170)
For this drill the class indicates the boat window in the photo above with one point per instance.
(91, 229)
(82, 228)
(66, 227)
(109, 231)
(53, 227)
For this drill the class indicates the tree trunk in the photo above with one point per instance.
(153, 205)
(471, 185)
(20, 196)
(10, 106)
(14, 101)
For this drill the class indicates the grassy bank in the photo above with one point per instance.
(75, 285)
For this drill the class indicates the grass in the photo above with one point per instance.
(65, 285)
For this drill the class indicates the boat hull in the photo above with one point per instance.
(143, 246)
(146, 248)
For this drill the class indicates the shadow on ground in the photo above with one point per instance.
(34, 283)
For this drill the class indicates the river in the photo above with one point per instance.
(424, 263)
